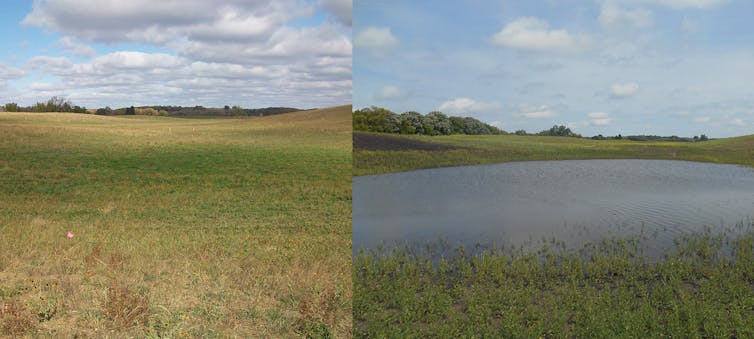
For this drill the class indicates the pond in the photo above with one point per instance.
(574, 201)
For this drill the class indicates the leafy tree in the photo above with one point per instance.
(360, 121)
(411, 123)
(559, 131)
(474, 126)
(456, 125)
(377, 119)
(12, 107)
(130, 110)
(703, 137)
(436, 123)
(520, 132)
(58, 104)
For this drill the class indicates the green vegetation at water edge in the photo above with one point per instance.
(179, 227)
(703, 288)
(464, 150)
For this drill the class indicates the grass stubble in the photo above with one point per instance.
(704, 287)
(181, 227)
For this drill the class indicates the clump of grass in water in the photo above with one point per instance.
(704, 287)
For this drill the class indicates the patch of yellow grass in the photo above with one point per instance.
(182, 227)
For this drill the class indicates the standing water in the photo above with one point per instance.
(572, 201)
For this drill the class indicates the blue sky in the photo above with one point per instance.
(667, 67)
(117, 53)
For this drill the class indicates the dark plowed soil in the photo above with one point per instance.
(382, 142)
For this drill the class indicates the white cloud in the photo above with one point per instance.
(530, 33)
(268, 56)
(72, 47)
(466, 105)
(376, 40)
(535, 112)
(702, 119)
(624, 90)
(136, 78)
(7, 73)
(738, 122)
(612, 15)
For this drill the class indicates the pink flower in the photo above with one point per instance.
(69, 235)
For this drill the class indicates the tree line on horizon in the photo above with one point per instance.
(381, 120)
(54, 104)
(60, 104)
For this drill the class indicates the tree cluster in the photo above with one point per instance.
(54, 104)
(378, 119)
(559, 131)
(554, 131)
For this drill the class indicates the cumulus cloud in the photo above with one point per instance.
(137, 78)
(466, 105)
(599, 118)
(530, 33)
(375, 40)
(535, 112)
(738, 122)
(72, 47)
(612, 15)
(624, 90)
(702, 119)
(254, 52)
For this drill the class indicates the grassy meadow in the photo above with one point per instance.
(488, 149)
(704, 287)
(181, 227)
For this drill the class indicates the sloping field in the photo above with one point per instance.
(181, 227)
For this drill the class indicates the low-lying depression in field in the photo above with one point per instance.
(572, 201)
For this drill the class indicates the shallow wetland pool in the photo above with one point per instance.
(574, 201)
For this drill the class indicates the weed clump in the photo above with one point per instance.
(126, 307)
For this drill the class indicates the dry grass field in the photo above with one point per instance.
(180, 227)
